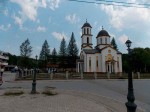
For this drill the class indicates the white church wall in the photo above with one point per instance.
(84, 39)
(85, 60)
(92, 67)
(98, 68)
(120, 63)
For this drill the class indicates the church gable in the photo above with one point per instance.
(109, 50)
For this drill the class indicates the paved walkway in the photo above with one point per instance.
(73, 96)
(62, 102)
(65, 101)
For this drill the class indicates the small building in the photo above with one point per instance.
(3, 59)
(103, 58)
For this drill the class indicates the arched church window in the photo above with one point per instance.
(105, 40)
(97, 61)
(89, 61)
(88, 40)
(87, 30)
(84, 30)
(101, 40)
(118, 62)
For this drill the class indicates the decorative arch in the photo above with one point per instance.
(109, 57)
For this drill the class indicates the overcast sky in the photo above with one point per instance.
(51, 20)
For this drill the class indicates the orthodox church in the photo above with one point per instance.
(103, 58)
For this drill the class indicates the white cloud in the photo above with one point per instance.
(5, 28)
(41, 29)
(125, 18)
(123, 38)
(59, 36)
(18, 20)
(29, 7)
(72, 18)
(53, 4)
(44, 4)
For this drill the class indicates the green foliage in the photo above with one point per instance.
(53, 58)
(72, 49)
(140, 58)
(13, 59)
(113, 43)
(54, 53)
(72, 52)
(62, 54)
(25, 49)
(25, 53)
(63, 50)
(44, 54)
(45, 51)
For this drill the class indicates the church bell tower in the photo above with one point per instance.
(86, 36)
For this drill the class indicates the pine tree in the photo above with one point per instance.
(113, 43)
(63, 51)
(45, 52)
(54, 56)
(25, 49)
(72, 49)
(54, 53)
(62, 54)
(72, 52)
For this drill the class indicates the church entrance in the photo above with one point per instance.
(80, 67)
(110, 67)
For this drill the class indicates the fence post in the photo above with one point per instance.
(51, 75)
(67, 75)
(138, 74)
(95, 75)
(108, 75)
(81, 75)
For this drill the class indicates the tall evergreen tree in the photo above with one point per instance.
(54, 52)
(72, 49)
(45, 51)
(63, 50)
(25, 49)
(62, 54)
(72, 52)
(113, 43)
(54, 56)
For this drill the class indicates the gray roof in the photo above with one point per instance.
(86, 25)
(96, 50)
(91, 51)
(103, 33)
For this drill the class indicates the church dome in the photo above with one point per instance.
(103, 33)
(86, 25)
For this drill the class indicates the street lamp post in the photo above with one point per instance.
(34, 78)
(131, 106)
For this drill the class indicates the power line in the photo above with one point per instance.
(124, 4)
(127, 3)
